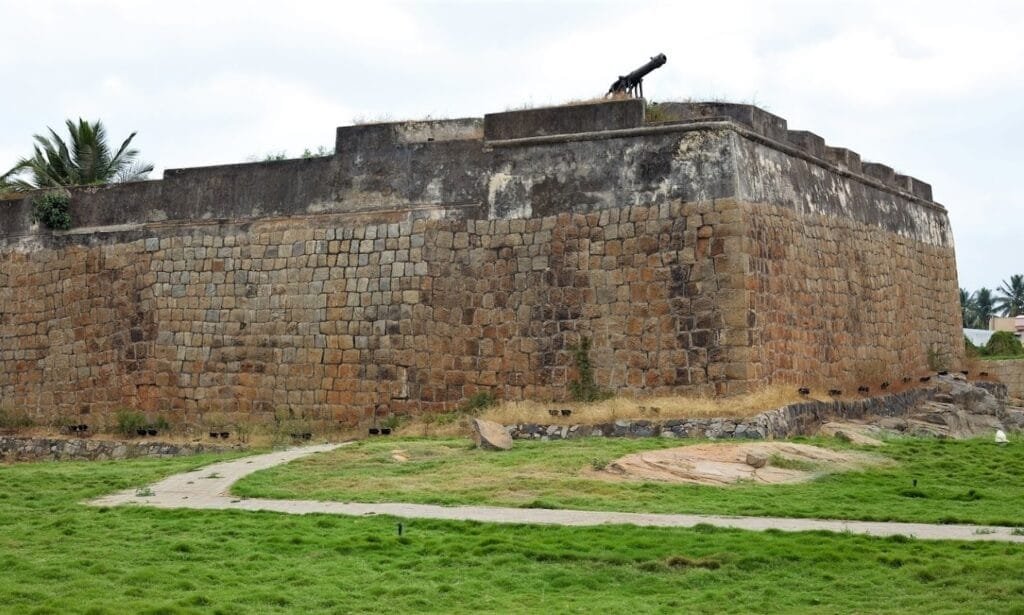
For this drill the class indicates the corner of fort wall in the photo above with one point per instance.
(710, 252)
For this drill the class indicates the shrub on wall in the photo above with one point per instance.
(13, 420)
(938, 359)
(51, 209)
(128, 421)
(1003, 343)
(479, 402)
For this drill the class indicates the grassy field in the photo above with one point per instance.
(59, 556)
(970, 481)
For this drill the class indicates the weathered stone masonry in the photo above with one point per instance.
(426, 261)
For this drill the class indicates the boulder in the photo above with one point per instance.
(757, 460)
(491, 436)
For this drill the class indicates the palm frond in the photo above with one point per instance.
(1010, 301)
(134, 172)
(84, 158)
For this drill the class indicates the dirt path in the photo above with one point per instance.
(208, 487)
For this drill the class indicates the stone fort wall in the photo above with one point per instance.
(1009, 372)
(709, 253)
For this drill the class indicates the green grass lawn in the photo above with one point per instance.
(59, 556)
(971, 481)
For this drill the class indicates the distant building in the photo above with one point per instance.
(1014, 324)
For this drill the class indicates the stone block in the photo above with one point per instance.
(881, 172)
(808, 142)
(843, 158)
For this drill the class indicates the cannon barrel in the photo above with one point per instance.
(656, 62)
(634, 80)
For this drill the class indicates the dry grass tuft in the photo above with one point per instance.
(653, 408)
(608, 411)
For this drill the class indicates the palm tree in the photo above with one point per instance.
(984, 307)
(967, 308)
(1010, 301)
(84, 159)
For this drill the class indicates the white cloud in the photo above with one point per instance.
(221, 118)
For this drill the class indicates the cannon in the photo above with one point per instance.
(633, 83)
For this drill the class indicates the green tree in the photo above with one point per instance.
(984, 307)
(1010, 301)
(967, 308)
(85, 158)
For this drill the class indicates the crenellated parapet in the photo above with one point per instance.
(807, 143)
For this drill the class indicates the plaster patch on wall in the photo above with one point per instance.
(317, 207)
(432, 191)
(704, 154)
(502, 190)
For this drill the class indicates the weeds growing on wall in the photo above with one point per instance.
(476, 404)
(654, 113)
(129, 421)
(12, 420)
(51, 210)
(583, 388)
(938, 359)
(479, 402)
(286, 423)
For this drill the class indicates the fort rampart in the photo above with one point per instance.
(1009, 372)
(710, 252)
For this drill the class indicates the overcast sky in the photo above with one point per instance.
(934, 89)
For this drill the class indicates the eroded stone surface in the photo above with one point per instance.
(729, 463)
(854, 433)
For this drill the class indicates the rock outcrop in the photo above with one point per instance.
(951, 408)
(958, 409)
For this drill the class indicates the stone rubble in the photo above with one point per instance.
(17, 448)
(976, 408)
